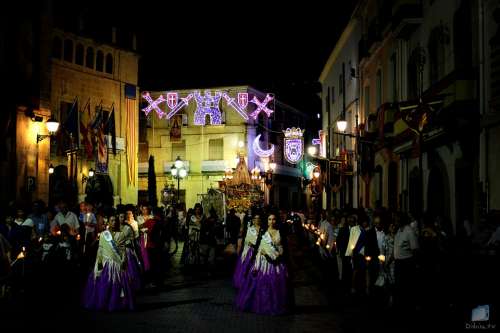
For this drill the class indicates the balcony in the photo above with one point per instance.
(406, 17)
(167, 165)
(213, 166)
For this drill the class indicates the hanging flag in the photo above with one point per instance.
(131, 131)
(110, 128)
(71, 125)
(100, 141)
(175, 129)
(85, 135)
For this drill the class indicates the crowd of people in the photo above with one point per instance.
(119, 250)
(116, 252)
(401, 262)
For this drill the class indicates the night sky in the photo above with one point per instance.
(274, 49)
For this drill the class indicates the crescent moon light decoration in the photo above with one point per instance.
(258, 151)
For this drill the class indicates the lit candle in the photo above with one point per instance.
(58, 232)
(78, 237)
(381, 258)
(368, 258)
(40, 239)
(327, 246)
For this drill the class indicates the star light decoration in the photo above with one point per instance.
(294, 145)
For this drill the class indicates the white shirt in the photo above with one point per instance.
(380, 239)
(135, 228)
(405, 241)
(69, 219)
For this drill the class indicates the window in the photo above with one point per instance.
(179, 149)
(216, 149)
(79, 54)
(413, 75)
(438, 38)
(109, 63)
(68, 50)
(89, 59)
(393, 80)
(367, 100)
(57, 48)
(328, 96)
(99, 61)
(379, 89)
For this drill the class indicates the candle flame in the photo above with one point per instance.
(327, 246)
(381, 257)
(368, 258)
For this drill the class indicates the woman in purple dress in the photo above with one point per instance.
(244, 261)
(108, 286)
(124, 236)
(266, 289)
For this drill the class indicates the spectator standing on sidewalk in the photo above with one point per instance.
(405, 250)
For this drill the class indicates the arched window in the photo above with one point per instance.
(438, 38)
(109, 63)
(68, 50)
(99, 61)
(89, 59)
(379, 88)
(413, 75)
(57, 48)
(79, 54)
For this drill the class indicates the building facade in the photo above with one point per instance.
(70, 78)
(419, 107)
(210, 147)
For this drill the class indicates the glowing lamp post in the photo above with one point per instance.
(178, 172)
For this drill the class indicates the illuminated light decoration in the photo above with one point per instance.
(172, 99)
(243, 100)
(232, 103)
(259, 151)
(261, 106)
(317, 141)
(153, 105)
(294, 145)
(207, 105)
(183, 103)
(309, 170)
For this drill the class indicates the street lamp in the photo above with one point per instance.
(312, 150)
(178, 172)
(52, 126)
(51, 169)
(341, 124)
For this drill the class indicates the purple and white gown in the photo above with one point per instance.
(125, 242)
(108, 286)
(265, 291)
(243, 263)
